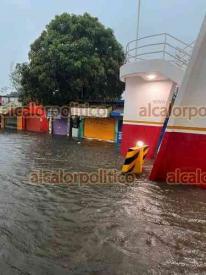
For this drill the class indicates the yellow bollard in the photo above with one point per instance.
(135, 159)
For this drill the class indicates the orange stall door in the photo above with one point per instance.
(100, 128)
(19, 123)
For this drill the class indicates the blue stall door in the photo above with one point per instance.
(60, 127)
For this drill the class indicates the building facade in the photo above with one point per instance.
(152, 75)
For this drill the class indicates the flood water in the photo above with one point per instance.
(116, 229)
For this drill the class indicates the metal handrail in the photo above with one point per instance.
(191, 45)
(161, 34)
(172, 61)
(168, 46)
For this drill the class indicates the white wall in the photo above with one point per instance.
(192, 93)
(141, 94)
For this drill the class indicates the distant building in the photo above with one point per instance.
(4, 100)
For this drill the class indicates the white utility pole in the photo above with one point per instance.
(138, 25)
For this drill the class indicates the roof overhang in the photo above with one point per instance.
(164, 70)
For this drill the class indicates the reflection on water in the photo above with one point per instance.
(115, 229)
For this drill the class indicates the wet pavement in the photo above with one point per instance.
(117, 229)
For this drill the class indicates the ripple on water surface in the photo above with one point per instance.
(145, 228)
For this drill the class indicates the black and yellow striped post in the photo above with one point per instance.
(135, 159)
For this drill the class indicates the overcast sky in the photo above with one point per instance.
(21, 21)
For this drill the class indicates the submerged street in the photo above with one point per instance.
(145, 228)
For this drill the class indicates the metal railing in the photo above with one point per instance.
(160, 46)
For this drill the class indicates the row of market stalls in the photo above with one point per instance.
(91, 121)
(32, 118)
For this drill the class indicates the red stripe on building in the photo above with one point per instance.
(180, 155)
(133, 133)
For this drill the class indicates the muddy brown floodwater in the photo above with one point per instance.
(116, 229)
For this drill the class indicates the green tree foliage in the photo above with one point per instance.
(75, 58)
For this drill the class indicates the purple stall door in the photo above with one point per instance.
(60, 126)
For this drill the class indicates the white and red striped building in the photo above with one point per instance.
(181, 157)
(154, 68)
(157, 69)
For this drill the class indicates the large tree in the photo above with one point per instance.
(75, 58)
